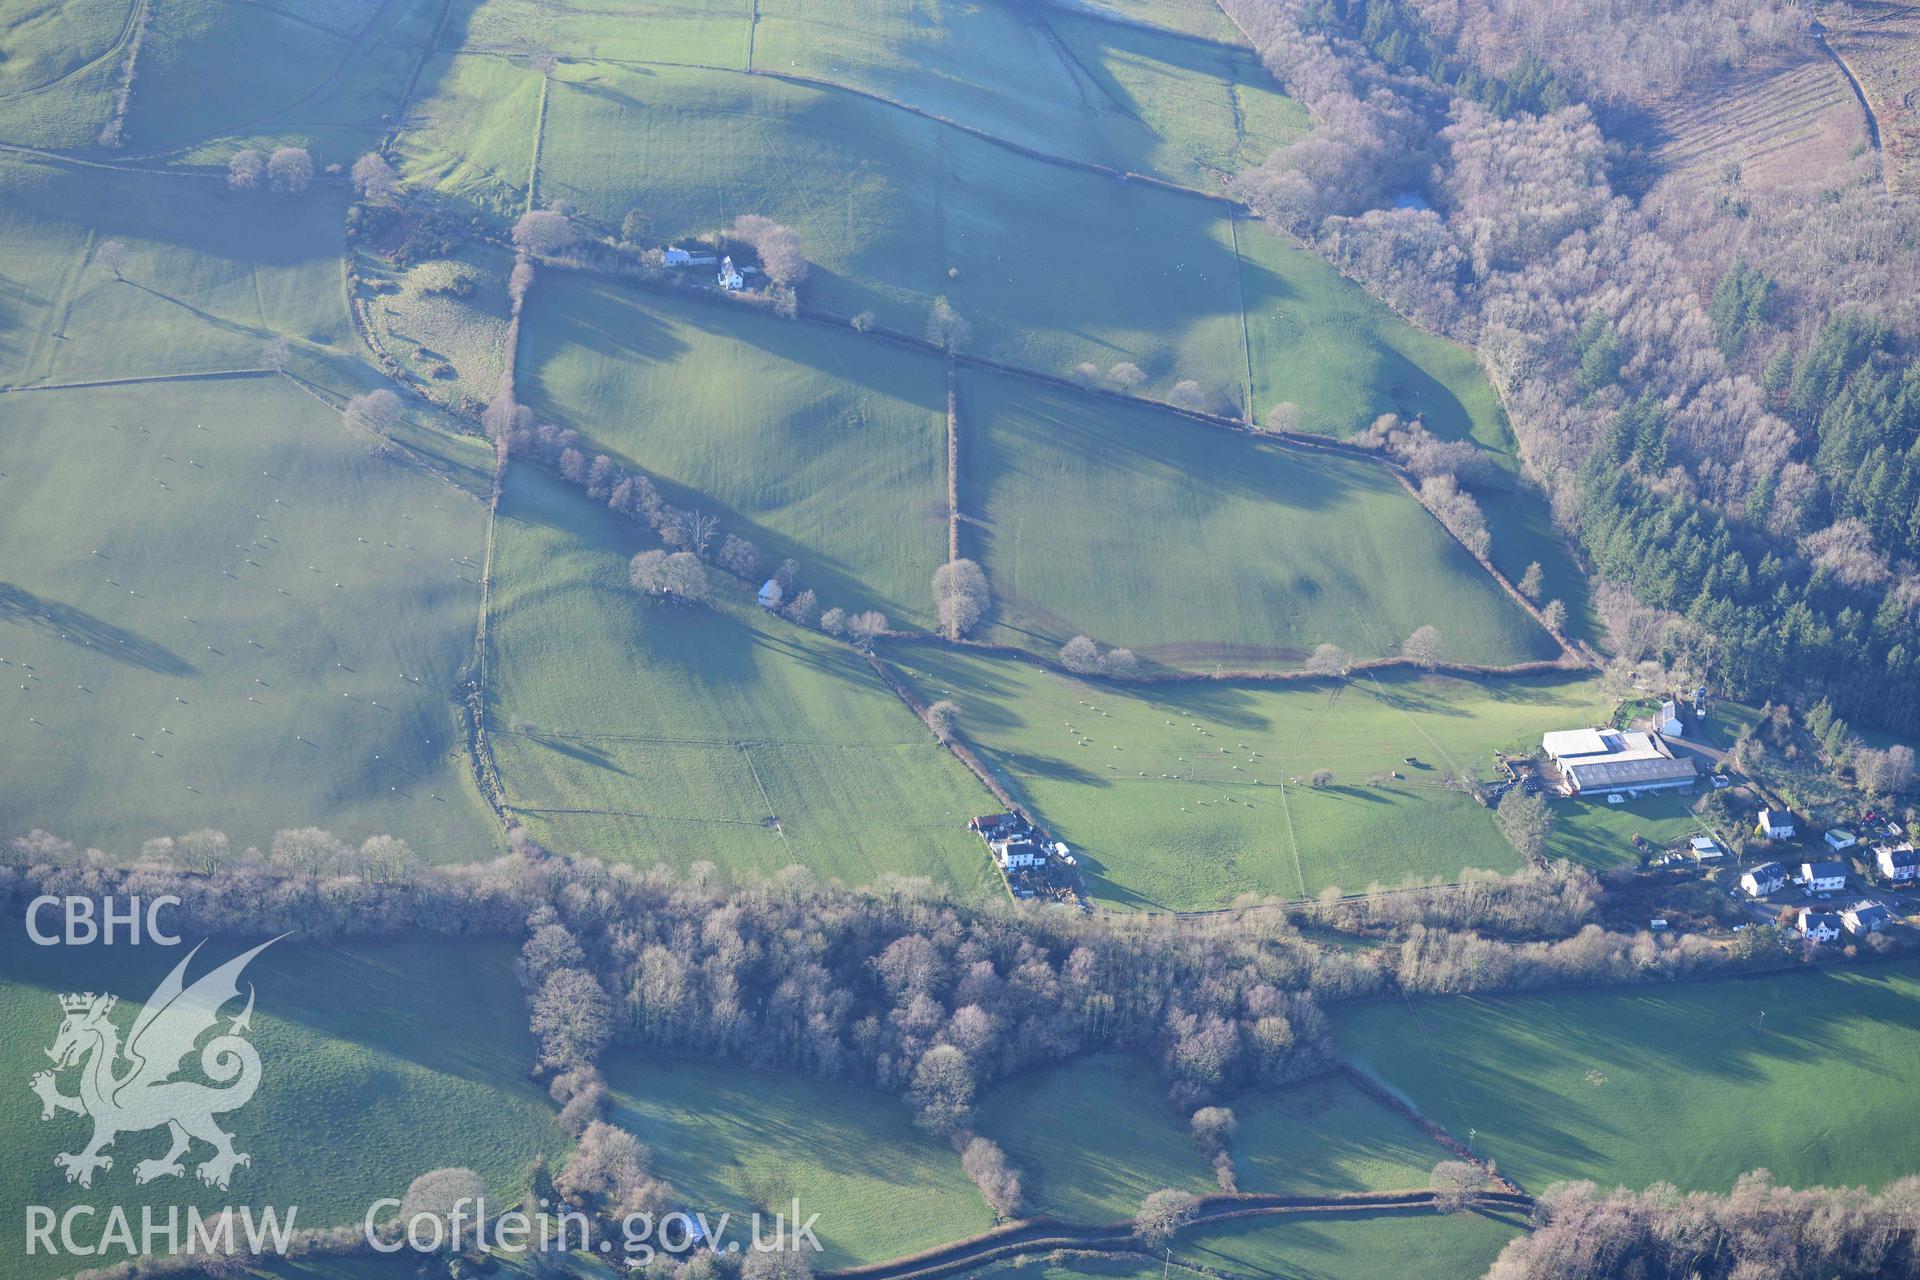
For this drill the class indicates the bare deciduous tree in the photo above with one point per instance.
(112, 258)
(443, 1196)
(1162, 1214)
(864, 628)
(1080, 655)
(289, 170)
(572, 1019)
(1127, 376)
(1283, 417)
(246, 169)
(1424, 648)
(676, 575)
(801, 609)
(947, 328)
(544, 233)
(777, 245)
(999, 1183)
(942, 717)
(1330, 660)
(1526, 822)
(1457, 1185)
(374, 178)
(374, 416)
(960, 596)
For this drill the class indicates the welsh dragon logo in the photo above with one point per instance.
(143, 1094)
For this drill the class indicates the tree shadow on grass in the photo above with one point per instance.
(78, 627)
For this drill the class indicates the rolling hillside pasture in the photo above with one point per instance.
(817, 444)
(219, 611)
(695, 32)
(1326, 1137)
(1806, 1074)
(735, 1140)
(886, 203)
(1344, 358)
(381, 1060)
(1196, 547)
(62, 65)
(629, 729)
(1223, 808)
(1201, 18)
(471, 133)
(208, 276)
(260, 61)
(1092, 1138)
(1045, 78)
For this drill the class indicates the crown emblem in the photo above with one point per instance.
(84, 1003)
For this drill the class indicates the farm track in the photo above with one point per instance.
(1042, 1235)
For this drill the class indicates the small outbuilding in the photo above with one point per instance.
(1840, 841)
(771, 593)
(677, 257)
(1705, 849)
(1671, 725)
(730, 278)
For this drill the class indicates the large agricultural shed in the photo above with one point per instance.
(1595, 761)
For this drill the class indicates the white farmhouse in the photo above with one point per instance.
(1764, 879)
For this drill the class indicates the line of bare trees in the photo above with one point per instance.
(114, 132)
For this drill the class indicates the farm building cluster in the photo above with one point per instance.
(1610, 761)
(728, 276)
(1035, 865)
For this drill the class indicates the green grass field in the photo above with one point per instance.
(647, 732)
(1348, 1247)
(815, 443)
(1456, 1248)
(1597, 834)
(1806, 1074)
(1199, 548)
(732, 1140)
(1326, 1137)
(695, 32)
(1092, 1138)
(260, 630)
(1205, 824)
(886, 204)
(208, 276)
(380, 1061)
(61, 66)
(1046, 78)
